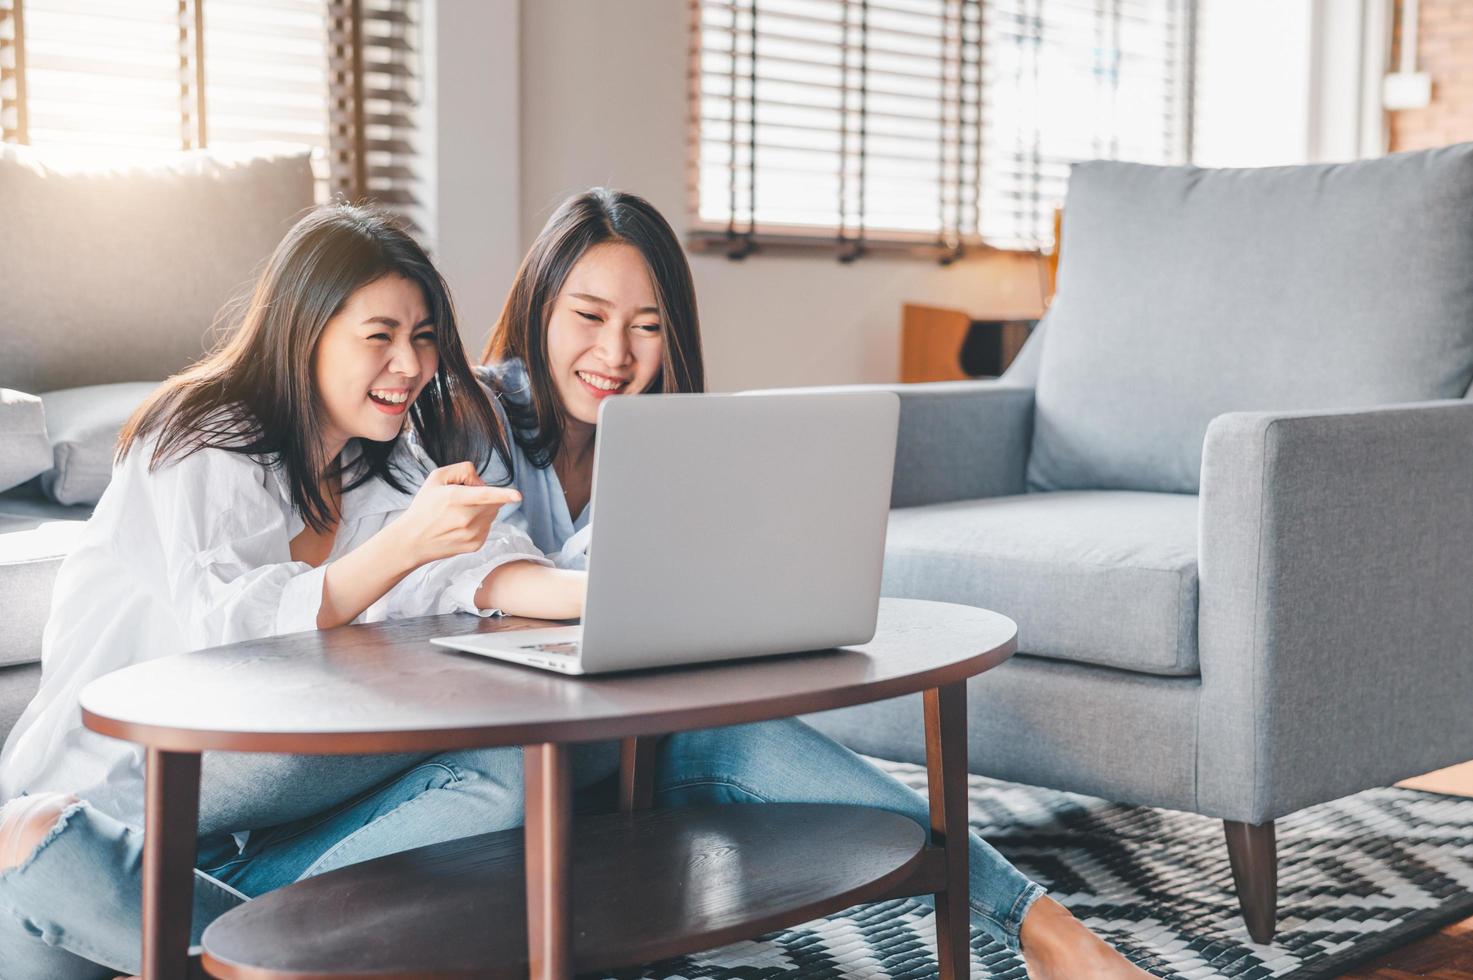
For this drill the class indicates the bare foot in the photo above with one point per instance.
(24, 824)
(1057, 946)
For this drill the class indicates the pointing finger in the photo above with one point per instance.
(484, 496)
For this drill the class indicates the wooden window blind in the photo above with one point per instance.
(930, 124)
(100, 75)
(377, 77)
(267, 76)
(118, 77)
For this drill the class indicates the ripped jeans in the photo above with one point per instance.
(72, 910)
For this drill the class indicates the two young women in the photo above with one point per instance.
(337, 461)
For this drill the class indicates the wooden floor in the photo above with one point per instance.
(1447, 955)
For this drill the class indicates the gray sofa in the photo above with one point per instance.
(1227, 494)
(110, 277)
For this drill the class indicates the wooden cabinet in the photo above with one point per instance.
(939, 344)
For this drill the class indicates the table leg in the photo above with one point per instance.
(549, 836)
(637, 772)
(946, 780)
(170, 828)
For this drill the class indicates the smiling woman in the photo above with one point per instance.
(602, 304)
(269, 489)
(327, 298)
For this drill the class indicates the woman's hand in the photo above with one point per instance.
(451, 514)
(524, 588)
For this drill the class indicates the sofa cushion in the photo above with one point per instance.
(124, 269)
(35, 536)
(1099, 577)
(17, 686)
(24, 450)
(83, 424)
(1186, 293)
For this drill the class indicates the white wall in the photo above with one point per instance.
(604, 102)
(470, 132)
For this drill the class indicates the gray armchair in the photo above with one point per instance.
(1227, 494)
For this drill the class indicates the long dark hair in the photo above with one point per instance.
(592, 218)
(254, 394)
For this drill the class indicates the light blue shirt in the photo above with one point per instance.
(543, 511)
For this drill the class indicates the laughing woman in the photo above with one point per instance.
(604, 306)
(266, 490)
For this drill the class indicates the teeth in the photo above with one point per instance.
(603, 384)
(392, 397)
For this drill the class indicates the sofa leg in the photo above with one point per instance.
(1254, 857)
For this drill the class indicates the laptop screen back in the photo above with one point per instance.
(728, 526)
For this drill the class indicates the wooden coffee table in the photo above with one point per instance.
(648, 883)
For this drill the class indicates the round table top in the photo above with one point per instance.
(383, 687)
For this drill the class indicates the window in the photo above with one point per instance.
(117, 78)
(935, 123)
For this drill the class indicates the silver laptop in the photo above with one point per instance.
(725, 526)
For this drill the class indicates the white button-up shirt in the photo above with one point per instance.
(193, 555)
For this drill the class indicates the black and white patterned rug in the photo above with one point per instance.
(1357, 877)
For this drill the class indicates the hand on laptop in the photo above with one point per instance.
(451, 514)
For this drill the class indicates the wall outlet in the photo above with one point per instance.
(1406, 90)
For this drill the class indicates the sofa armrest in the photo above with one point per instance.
(958, 440)
(1336, 611)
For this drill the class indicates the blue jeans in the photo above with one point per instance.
(72, 910)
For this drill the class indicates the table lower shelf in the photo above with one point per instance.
(646, 886)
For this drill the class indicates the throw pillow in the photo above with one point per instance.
(24, 451)
(84, 424)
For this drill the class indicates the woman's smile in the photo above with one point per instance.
(601, 385)
(390, 401)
